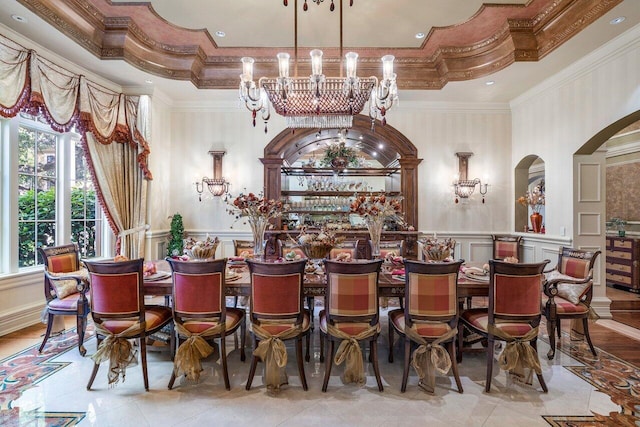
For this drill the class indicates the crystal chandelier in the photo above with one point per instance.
(318, 101)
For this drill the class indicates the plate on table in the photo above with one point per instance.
(400, 277)
(158, 275)
(232, 276)
(477, 276)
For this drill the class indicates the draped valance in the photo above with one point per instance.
(37, 86)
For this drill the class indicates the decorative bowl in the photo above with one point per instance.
(316, 251)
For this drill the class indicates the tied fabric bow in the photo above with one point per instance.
(518, 355)
(349, 352)
(188, 358)
(118, 350)
(430, 357)
(272, 351)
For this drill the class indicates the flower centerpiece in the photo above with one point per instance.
(534, 200)
(257, 210)
(374, 210)
(339, 156)
(438, 250)
(317, 246)
(201, 249)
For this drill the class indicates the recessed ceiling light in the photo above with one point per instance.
(489, 82)
(148, 81)
(616, 21)
(420, 35)
(220, 33)
(374, 154)
(361, 137)
(19, 18)
(381, 146)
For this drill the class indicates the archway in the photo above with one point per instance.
(392, 149)
(528, 172)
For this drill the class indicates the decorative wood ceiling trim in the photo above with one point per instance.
(208, 66)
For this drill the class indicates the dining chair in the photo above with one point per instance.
(65, 289)
(119, 315)
(569, 290)
(349, 247)
(506, 246)
(242, 248)
(200, 315)
(351, 315)
(513, 316)
(388, 247)
(430, 318)
(277, 314)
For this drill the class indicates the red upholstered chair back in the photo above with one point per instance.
(58, 259)
(515, 290)
(389, 246)
(507, 246)
(352, 290)
(276, 290)
(116, 288)
(576, 262)
(198, 288)
(431, 291)
(349, 247)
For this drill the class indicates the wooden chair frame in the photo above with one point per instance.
(551, 290)
(496, 238)
(82, 309)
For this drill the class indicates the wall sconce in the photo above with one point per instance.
(216, 185)
(462, 186)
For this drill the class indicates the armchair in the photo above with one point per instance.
(569, 290)
(65, 289)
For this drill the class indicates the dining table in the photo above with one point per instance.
(238, 282)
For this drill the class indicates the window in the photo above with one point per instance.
(56, 196)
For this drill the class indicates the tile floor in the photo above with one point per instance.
(208, 403)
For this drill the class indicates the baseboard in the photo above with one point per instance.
(14, 321)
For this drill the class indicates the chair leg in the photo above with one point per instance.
(321, 346)
(48, 332)
(307, 356)
(252, 370)
(585, 325)
(390, 342)
(543, 384)
(490, 343)
(328, 364)
(81, 326)
(460, 343)
(243, 338)
(551, 331)
(223, 358)
(96, 366)
(451, 348)
(303, 378)
(401, 302)
(310, 304)
(558, 325)
(235, 301)
(143, 358)
(407, 359)
(374, 357)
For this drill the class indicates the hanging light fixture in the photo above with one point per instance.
(463, 187)
(318, 101)
(217, 185)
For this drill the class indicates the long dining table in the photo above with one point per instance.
(314, 284)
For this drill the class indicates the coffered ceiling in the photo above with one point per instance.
(464, 39)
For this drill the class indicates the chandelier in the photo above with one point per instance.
(318, 101)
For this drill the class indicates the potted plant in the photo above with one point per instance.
(176, 246)
(620, 225)
(339, 156)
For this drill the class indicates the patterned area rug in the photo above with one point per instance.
(607, 373)
(25, 369)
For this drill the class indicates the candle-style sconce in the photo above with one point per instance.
(217, 185)
(464, 187)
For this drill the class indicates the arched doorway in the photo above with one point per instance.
(391, 147)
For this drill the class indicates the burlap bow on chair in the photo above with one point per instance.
(273, 353)
(118, 350)
(195, 348)
(518, 355)
(430, 357)
(349, 351)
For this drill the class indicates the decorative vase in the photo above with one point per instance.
(375, 231)
(258, 226)
(339, 163)
(536, 222)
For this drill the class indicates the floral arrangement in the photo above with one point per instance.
(533, 199)
(201, 249)
(317, 245)
(339, 150)
(438, 250)
(252, 206)
(371, 207)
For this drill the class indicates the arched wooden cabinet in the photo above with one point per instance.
(392, 150)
